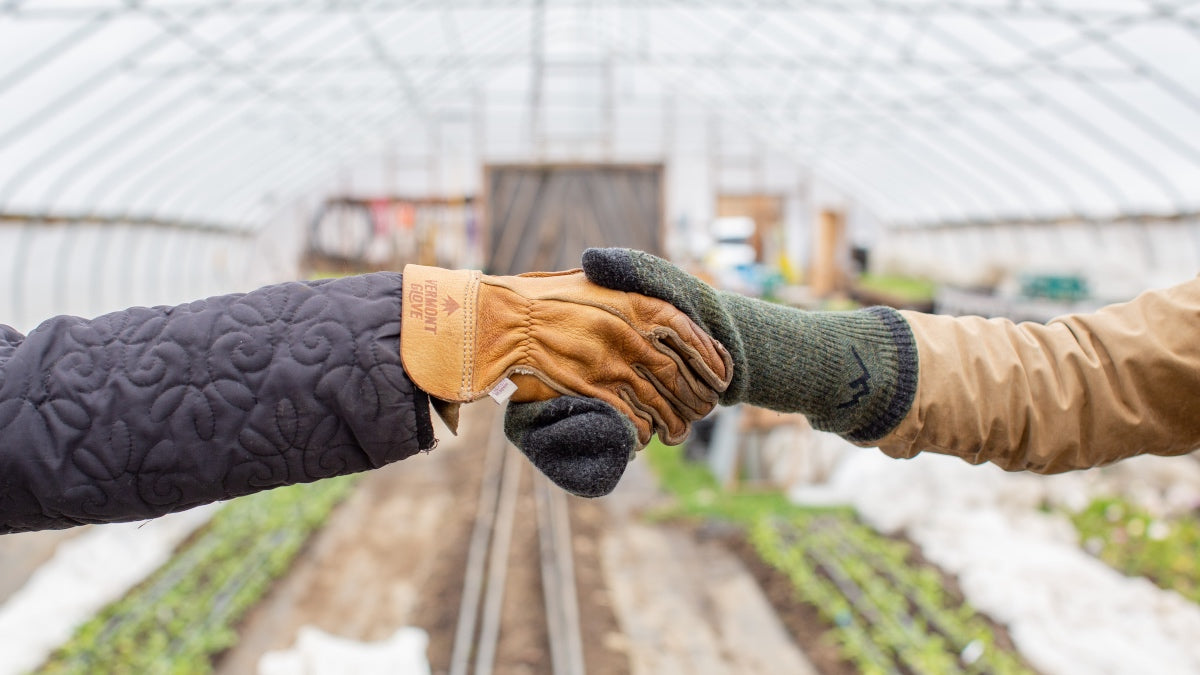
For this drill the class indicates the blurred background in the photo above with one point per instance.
(1017, 158)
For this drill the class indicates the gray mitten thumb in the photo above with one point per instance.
(581, 444)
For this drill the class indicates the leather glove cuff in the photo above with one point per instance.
(437, 335)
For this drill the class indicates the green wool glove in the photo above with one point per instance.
(852, 373)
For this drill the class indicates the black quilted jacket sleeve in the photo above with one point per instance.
(151, 410)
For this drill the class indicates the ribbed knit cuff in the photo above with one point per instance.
(905, 387)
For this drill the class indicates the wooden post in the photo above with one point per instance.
(825, 271)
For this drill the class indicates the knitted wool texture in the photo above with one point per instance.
(581, 444)
(852, 373)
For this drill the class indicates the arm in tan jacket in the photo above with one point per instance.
(1081, 391)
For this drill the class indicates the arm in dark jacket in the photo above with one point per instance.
(152, 410)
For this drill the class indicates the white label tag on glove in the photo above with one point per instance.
(503, 391)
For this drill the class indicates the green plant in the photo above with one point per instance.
(907, 288)
(887, 612)
(697, 494)
(185, 613)
(1132, 540)
(883, 599)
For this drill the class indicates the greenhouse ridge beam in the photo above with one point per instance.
(510, 59)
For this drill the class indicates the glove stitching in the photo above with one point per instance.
(471, 302)
(526, 341)
(525, 362)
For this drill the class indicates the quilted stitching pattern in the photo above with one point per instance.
(151, 410)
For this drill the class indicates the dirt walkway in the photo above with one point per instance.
(688, 607)
(394, 554)
(365, 573)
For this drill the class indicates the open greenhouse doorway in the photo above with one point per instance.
(542, 217)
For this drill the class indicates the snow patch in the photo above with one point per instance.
(319, 653)
(1021, 564)
(85, 574)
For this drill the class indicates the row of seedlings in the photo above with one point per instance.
(890, 613)
(1132, 540)
(187, 612)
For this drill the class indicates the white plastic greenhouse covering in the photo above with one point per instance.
(224, 117)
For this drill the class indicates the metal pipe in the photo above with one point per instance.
(485, 515)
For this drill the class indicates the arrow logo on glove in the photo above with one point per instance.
(449, 306)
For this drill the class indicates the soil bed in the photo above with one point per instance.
(394, 554)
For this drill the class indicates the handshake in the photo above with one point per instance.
(595, 361)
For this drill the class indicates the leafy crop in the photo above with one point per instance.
(891, 614)
(1133, 541)
(888, 613)
(907, 288)
(697, 494)
(186, 612)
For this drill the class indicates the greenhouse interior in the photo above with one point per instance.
(902, 385)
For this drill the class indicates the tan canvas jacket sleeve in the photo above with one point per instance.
(1081, 391)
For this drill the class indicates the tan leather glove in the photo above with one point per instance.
(559, 334)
